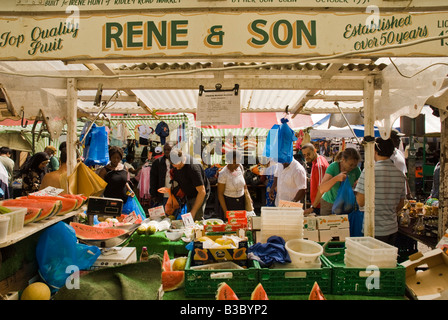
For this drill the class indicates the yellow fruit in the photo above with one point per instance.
(141, 230)
(203, 239)
(179, 264)
(36, 291)
(225, 242)
(151, 230)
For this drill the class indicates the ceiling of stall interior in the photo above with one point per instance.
(175, 100)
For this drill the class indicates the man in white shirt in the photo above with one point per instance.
(289, 182)
(399, 159)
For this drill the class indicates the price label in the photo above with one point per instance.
(156, 212)
(188, 220)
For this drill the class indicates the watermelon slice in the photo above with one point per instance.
(49, 207)
(259, 293)
(68, 204)
(86, 232)
(316, 293)
(172, 280)
(166, 264)
(78, 197)
(224, 292)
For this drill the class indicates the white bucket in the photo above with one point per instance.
(4, 224)
(304, 253)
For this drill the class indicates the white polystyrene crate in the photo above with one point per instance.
(368, 246)
(354, 261)
(17, 219)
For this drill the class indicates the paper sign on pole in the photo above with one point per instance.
(219, 108)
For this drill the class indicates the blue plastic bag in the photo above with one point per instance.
(132, 204)
(271, 147)
(58, 254)
(97, 146)
(345, 201)
(356, 221)
(285, 142)
(279, 143)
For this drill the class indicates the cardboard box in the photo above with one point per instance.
(310, 223)
(334, 234)
(332, 221)
(312, 235)
(427, 275)
(236, 214)
(203, 255)
(255, 222)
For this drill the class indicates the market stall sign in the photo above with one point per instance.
(220, 35)
(27, 6)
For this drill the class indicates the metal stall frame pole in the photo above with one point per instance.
(72, 121)
(369, 161)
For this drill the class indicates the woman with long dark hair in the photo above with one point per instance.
(33, 172)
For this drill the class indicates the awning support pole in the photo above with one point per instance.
(72, 120)
(369, 161)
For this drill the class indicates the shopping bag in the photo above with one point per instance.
(248, 201)
(356, 221)
(132, 204)
(59, 254)
(85, 181)
(171, 204)
(345, 201)
(97, 143)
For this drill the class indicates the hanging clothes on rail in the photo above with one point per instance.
(143, 183)
(181, 133)
(142, 133)
(119, 134)
(163, 131)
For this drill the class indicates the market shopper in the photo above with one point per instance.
(289, 182)
(160, 176)
(53, 164)
(231, 184)
(116, 176)
(436, 182)
(399, 159)
(345, 165)
(58, 179)
(190, 176)
(319, 165)
(33, 171)
(8, 163)
(390, 192)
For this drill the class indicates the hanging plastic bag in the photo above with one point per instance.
(285, 141)
(356, 220)
(97, 146)
(345, 201)
(59, 254)
(279, 143)
(132, 204)
(271, 147)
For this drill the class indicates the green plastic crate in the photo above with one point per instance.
(355, 281)
(204, 283)
(290, 281)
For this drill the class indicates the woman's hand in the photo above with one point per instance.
(342, 176)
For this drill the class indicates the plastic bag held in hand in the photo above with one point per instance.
(345, 201)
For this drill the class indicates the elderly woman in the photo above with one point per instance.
(231, 184)
(33, 172)
(116, 175)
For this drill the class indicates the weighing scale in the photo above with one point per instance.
(115, 256)
(103, 207)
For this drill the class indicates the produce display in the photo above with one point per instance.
(173, 274)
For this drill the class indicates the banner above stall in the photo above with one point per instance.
(111, 5)
(223, 34)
